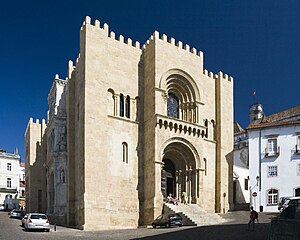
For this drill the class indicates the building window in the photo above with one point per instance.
(298, 169)
(8, 183)
(298, 144)
(272, 147)
(272, 197)
(272, 171)
(121, 105)
(8, 166)
(205, 167)
(125, 152)
(127, 107)
(246, 184)
(173, 106)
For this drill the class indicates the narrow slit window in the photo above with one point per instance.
(121, 105)
(125, 152)
(127, 107)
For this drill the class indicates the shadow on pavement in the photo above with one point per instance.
(217, 232)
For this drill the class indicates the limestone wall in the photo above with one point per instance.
(224, 136)
(110, 185)
(34, 170)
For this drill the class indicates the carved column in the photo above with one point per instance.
(177, 184)
(115, 105)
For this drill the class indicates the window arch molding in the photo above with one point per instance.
(183, 86)
(184, 83)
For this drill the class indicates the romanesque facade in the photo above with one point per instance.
(130, 125)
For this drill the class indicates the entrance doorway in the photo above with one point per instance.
(168, 179)
(180, 173)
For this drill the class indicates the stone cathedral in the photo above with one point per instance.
(127, 126)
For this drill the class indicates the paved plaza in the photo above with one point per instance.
(234, 228)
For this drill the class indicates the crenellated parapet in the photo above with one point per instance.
(112, 35)
(156, 35)
(220, 75)
(37, 121)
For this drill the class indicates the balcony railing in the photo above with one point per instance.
(181, 126)
(273, 153)
(5, 189)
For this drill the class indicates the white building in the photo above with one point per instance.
(274, 157)
(21, 187)
(9, 178)
(240, 167)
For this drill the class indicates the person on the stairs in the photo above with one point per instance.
(171, 199)
(183, 197)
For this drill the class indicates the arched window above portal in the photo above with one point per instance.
(173, 106)
(183, 96)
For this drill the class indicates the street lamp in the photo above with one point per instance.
(257, 180)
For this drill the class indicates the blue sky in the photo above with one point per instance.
(256, 42)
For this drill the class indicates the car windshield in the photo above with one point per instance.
(35, 216)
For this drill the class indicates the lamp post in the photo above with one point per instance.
(257, 180)
(253, 194)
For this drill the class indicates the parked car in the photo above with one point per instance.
(16, 214)
(281, 202)
(167, 220)
(2, 207)
(38, 221)
(24, 219)
(292, 201)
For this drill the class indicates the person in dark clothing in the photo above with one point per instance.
(253, 215)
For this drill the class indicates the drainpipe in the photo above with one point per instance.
(259, 157)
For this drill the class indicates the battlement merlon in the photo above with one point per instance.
(71, 68)
(112, 35)
(220, 75)
(164, 38)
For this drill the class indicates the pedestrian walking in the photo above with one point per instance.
(253, 216)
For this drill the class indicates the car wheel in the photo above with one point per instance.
(167, 225)
(153, 225)
(47, 230)
(180, 225)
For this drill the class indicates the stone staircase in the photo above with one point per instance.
(193, 215)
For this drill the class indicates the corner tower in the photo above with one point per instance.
(256, 112)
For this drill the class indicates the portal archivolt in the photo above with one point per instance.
(180, 172)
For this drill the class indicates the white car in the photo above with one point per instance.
(37, 221)
(16, 214)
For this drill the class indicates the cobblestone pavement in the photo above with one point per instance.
(234, 228)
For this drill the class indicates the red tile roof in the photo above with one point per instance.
(237, 128)
(287, 117)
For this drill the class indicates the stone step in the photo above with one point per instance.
(194, 215)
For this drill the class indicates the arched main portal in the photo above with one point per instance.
(179, 172)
